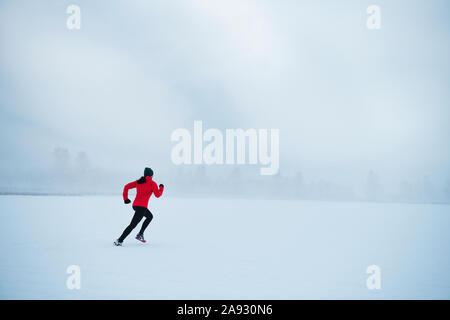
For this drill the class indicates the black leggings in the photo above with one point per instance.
(139, 213)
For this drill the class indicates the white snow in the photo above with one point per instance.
(223, 249)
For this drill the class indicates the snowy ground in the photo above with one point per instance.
(223, 248)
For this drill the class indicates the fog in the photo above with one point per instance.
(362, 114)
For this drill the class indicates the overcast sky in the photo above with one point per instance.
(346, 99)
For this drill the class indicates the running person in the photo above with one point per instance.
(145, 186)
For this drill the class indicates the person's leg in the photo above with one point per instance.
(148, 218)
(138, 214)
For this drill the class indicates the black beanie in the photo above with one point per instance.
(148, 172)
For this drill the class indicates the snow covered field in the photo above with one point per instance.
(223, 248)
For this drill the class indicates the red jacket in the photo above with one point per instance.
(144, 191)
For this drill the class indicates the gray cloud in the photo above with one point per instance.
(345, 99)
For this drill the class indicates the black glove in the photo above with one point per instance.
(161, 185)
(127, 201)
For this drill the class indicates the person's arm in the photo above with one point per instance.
(127, 187)
(158, 191)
